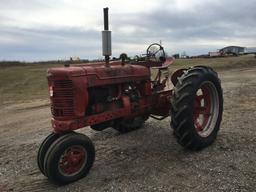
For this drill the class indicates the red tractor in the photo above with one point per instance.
(122, 95)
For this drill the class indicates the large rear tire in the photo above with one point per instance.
(197, 106)
(69, 158)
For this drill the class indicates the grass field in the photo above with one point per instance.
(218, 63)
(23, 83)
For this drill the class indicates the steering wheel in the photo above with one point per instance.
(156, 52)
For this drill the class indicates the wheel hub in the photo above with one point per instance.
(72, 160)
(206, 107)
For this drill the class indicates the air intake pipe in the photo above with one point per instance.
(106, 38)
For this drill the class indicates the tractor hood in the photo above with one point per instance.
(98, 74)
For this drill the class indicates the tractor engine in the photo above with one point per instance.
(106, 98)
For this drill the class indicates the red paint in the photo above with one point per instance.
(203, 111)
(72, 160)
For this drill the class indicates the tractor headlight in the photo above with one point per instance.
(51, 91)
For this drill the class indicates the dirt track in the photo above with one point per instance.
(145, 160)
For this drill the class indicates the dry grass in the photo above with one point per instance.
(22, 83)
(218, 63)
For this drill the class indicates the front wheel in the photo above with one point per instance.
(69, 158)
(197, 106)
(43, 149)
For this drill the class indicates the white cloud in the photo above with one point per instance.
(66, 13)
(49, 29)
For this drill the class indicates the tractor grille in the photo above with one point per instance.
(62, 100)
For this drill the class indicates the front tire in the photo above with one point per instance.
(69, 158)
(43, 149)
(197, 106)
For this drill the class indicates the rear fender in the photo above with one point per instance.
(176, 74)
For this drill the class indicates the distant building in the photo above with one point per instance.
(184, 55)
(250, 50)
(74, 58)
(232, 50)
(176, 56)
(214, 54)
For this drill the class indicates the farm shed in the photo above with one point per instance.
(232, 49)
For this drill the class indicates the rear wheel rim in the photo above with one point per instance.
(206, 109)
(72, 161)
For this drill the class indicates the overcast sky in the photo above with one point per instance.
(57, 29)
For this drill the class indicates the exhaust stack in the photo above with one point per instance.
(106, 38)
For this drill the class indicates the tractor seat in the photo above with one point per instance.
(168, 61)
